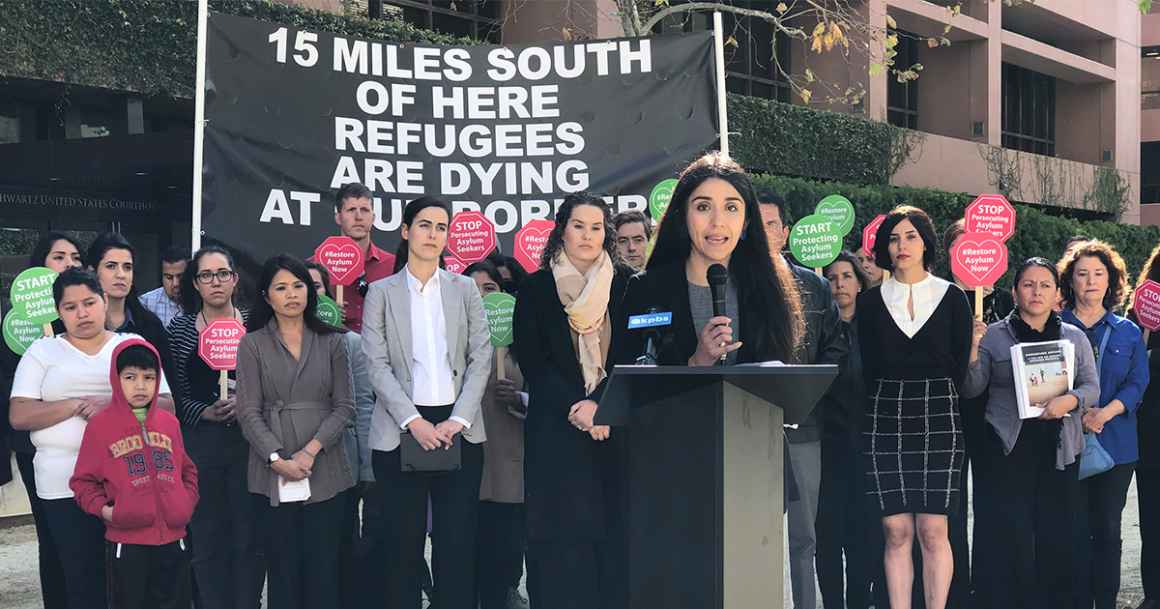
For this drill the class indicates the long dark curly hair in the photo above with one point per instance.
(564, 214)
(765, 289)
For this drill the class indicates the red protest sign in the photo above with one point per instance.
(217, 345)
(530, 242)
(451, 264)
(870, 233)
(342, 257)
(990, 214)
(471, 236)
(978, 260)
(1146, 304)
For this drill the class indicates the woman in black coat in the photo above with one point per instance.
(563, 341)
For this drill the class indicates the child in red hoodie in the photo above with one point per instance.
(133, 473)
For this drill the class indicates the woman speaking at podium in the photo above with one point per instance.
(564, 336)
(714, 219)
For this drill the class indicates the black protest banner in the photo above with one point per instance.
(291, 115)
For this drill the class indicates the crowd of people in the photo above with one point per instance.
(321, 468)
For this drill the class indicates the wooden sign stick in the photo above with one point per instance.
(979, 304)
(224, 385)
(500, 356)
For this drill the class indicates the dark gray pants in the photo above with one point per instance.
(802, 513)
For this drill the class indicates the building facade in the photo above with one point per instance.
(1039, 100)
(1150, 118)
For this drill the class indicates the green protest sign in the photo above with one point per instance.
(815, 241)
(500, 308)
(31, 295)
(19, 333)
(329, 312)
(838, 209)
(658, 199)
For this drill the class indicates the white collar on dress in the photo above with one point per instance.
(926, 295)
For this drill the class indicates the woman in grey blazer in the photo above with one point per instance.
(294, 403)
(428, 356)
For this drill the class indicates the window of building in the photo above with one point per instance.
(12, 121)
(756, 65)
(9, 129)
(478, 19)
(94, 121)
(1150, 77)
(902, 97)
(1028, 110)
(1150, 172)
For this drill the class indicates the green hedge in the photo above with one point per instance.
(1037, 233)
(147, 46)
(794, 140)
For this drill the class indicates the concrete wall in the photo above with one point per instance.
(330, 6)
(1079, 128)
(947, 105)
(546, 20)
(957, 165)
(1097, 67)
(1150, 215)
(1150, 125)
(1150, 28)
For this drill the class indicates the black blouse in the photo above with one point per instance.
(940, 349)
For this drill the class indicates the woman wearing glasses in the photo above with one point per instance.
(225, 554)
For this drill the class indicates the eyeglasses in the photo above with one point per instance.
(362, 286)
(223, 276)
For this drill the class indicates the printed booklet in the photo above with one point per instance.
(1042, 371)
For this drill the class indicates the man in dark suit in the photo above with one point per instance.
(823, 343)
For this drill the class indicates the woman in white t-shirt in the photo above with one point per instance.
(60, 383)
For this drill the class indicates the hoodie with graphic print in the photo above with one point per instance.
(141, 469)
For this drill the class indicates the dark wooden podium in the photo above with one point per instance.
(703, 471)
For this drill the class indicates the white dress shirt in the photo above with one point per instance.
(925, 296)
(430, 362)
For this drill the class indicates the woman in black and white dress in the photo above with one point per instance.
(915, 332)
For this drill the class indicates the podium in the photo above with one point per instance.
(703, 478)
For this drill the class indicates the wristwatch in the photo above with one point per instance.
(274, 456)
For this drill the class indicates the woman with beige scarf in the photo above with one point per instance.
(563, 337)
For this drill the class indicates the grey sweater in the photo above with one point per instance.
(993, 370)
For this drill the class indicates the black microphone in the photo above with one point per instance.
(718, 276)
(649, 357)
(650, 322)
